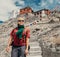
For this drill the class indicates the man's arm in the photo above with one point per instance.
(10, 38)
(27, 43)
(10, 41)
(9, 44)
(27, 39)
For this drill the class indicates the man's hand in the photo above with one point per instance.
(26, 51)
(8, 48)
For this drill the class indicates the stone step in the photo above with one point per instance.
(34, 43)
(38, 51)
(34, 56)
(35, 49)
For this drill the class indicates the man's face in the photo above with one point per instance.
(21, 22)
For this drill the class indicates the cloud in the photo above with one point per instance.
(51, 1)
(21, 2)
(50, 4)
(58, 1)
(43, 4)
(5, 7)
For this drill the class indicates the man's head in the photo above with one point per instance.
(20, 20)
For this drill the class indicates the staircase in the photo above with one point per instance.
(35, 49)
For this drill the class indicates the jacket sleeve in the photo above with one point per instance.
(11, 33)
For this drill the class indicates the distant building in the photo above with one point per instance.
(26, 10)
(29, 10)
(40, 12)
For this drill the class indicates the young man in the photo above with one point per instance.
(19, 38)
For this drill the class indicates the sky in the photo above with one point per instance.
(6, 6)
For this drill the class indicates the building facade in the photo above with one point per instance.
(26, 10)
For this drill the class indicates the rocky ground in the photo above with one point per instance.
(42, 41)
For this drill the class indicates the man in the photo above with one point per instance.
(19, 39)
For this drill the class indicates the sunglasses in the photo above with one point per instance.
(20, 20)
